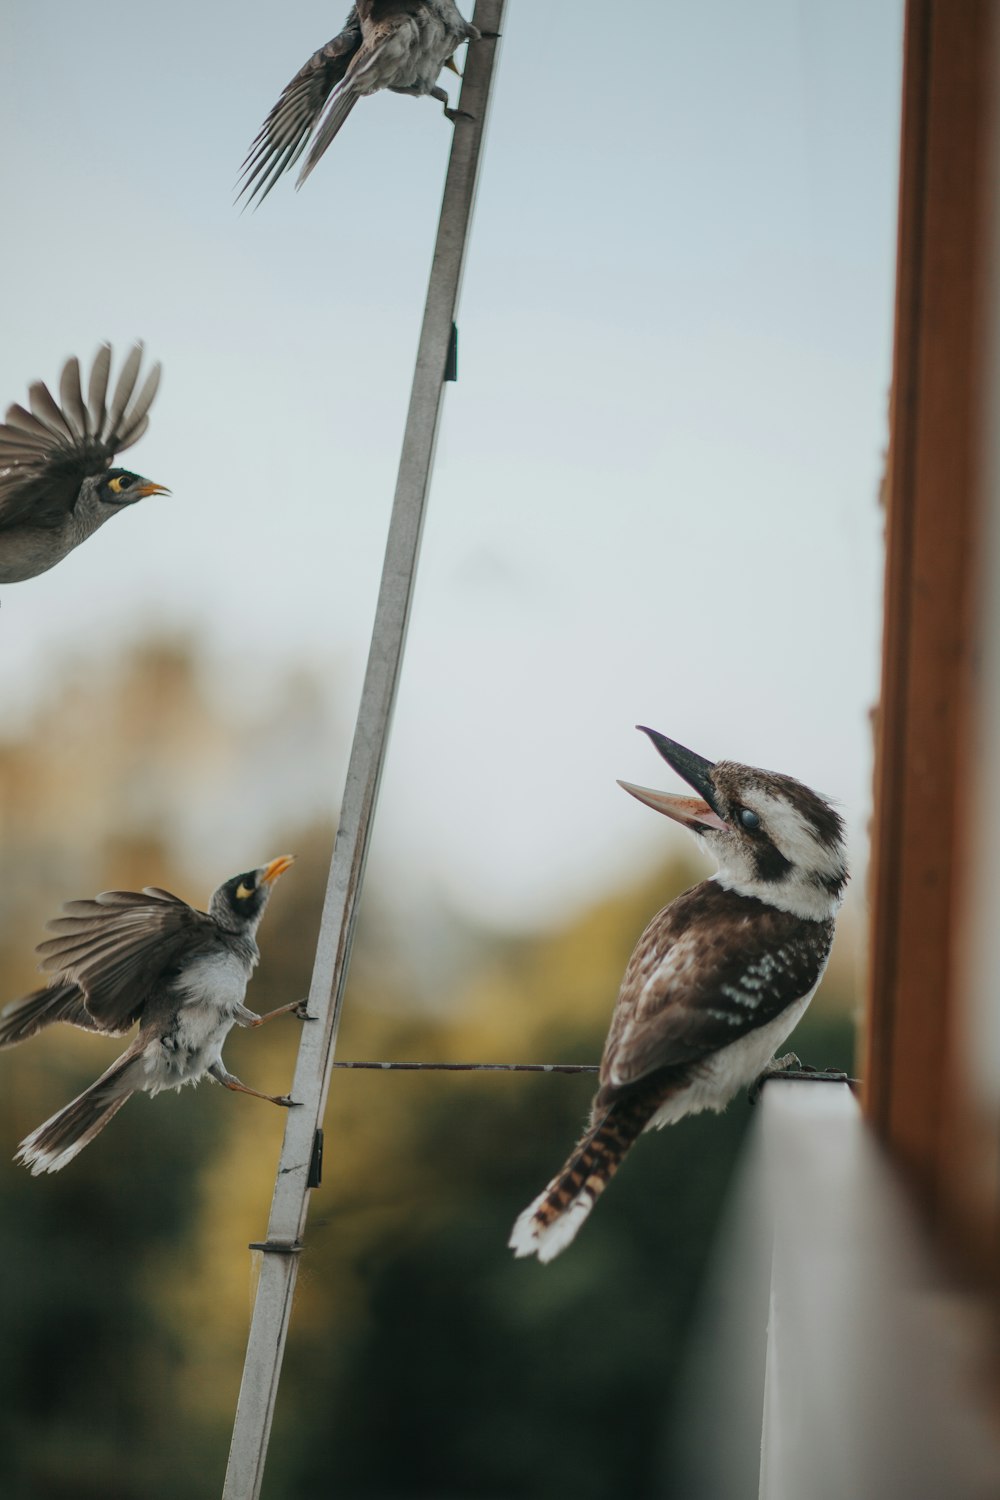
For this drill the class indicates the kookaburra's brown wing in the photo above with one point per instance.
(709, 968)
(117, 946)
(284, 133)
(50, 448)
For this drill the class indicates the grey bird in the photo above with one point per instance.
(57, 485)
(181, 973)
(400, 45)
(717, 981)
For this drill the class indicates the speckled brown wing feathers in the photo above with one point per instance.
(709, 968)
(119, 945)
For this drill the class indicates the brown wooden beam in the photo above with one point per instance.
(932, 497)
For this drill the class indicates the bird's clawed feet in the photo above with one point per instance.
(230, 1081)
(789, 1067)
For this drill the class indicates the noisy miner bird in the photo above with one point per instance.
(717, 980)
(400, 45)
(57, 485)
(128, 956)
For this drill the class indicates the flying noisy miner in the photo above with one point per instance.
(400, 45)
(149, 957)
(718, 979)
(57, 485)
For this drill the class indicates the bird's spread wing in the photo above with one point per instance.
(284, 133)
(48, 449)
(32, 1013)
(710, 968)
(118, 946)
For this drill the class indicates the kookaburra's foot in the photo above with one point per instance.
(457, 114)
(790, 1068)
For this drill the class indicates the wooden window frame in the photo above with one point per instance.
(914, 1092)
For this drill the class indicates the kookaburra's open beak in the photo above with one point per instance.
(693, 812)
(150, 489)
(276, 867)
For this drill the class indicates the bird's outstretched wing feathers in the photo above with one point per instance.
(284, 133)
(708, 969)
(26, 1016)
(118, 945)
(50, 447)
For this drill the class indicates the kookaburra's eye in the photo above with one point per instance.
(748, 819)
(119, 483)
(244, 892)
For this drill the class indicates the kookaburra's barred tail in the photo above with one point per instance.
(52, 1145)
(32, 1013)
(551, 1222)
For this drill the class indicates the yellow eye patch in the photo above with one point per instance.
(243, 892)
(117, 484)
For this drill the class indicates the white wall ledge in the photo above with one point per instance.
(833, 1362)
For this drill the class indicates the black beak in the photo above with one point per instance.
(695, 770)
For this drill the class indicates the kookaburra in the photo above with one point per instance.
(400, 45)
(719, 978)
(146, 956)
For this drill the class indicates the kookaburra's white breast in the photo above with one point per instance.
(732, 1068)
(210, 990)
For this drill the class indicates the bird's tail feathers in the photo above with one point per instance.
(339, 107)
(553, 1219)
(32, 1013)
(54, 1144)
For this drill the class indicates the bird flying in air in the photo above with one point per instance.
(400, 45)
(57, 485)
(181, 973)
(717, 981)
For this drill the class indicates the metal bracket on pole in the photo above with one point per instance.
(297, 1167)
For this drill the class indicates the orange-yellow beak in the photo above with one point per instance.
(276, 867)
(150, 489)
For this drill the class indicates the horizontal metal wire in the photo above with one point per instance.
(793, 1075)
(471, 1067)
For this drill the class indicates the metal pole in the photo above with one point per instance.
(290, 1204)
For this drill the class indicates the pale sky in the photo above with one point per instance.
(656, 492)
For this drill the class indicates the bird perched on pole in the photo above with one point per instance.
(717, 981)
(400, 45)
(181, 973)
(57, 485)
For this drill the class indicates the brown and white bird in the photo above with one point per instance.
(400, 45)
(181, 973)
(717, 981)
(57, 485)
